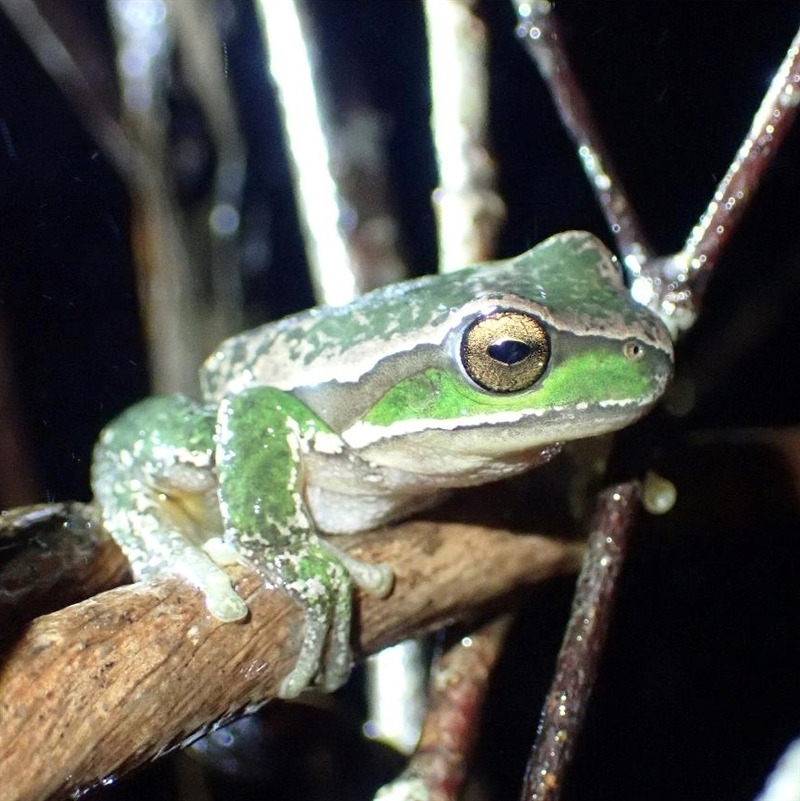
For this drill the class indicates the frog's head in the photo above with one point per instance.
(549, 348)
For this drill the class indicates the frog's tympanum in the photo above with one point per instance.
(338, 420)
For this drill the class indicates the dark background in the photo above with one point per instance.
(699, 693)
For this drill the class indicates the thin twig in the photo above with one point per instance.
(541, 35)
(673, 285)
(459, 680)
(579, 657)
(60, 64)
(770, 125)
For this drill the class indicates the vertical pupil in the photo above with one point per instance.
(509, 351)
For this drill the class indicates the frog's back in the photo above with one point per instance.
(326, 343)
(569, 277)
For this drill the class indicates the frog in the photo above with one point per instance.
(344, 419)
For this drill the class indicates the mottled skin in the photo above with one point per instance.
(341, 419)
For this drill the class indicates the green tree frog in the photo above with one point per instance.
(338, 420)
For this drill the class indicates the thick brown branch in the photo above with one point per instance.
(96, 688)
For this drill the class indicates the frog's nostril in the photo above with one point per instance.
(633, 350)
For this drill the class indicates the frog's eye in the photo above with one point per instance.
(506, 351)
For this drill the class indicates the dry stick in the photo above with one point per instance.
(468, 208)
(290, 45)
(579, 657)
(356, 134)
(437, 769)
(102, 686)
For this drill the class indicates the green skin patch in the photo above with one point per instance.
(261, 434)
(591, 377)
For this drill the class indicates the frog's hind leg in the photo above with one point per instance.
(152, 474)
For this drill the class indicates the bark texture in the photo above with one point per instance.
(96, 688)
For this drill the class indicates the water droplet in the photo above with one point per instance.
(224, 219)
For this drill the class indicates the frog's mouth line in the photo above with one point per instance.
(575, 422)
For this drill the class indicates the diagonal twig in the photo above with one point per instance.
(583, 644)
(672, 285)
(540, 33)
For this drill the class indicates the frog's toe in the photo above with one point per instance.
(303, 676)
(227, 608)
(297, 681)
(309, 660)
(222, 600)
(376, 579)
(339, 657)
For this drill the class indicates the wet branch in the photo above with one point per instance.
(671, 285)
(583, 644)
(541, 36)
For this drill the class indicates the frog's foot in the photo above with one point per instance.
(321, 584)
(320, 578)
(165, 551)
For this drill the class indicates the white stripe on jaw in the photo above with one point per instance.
(362, 434)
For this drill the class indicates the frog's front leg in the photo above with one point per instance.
(154, 479)
(263, 435)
